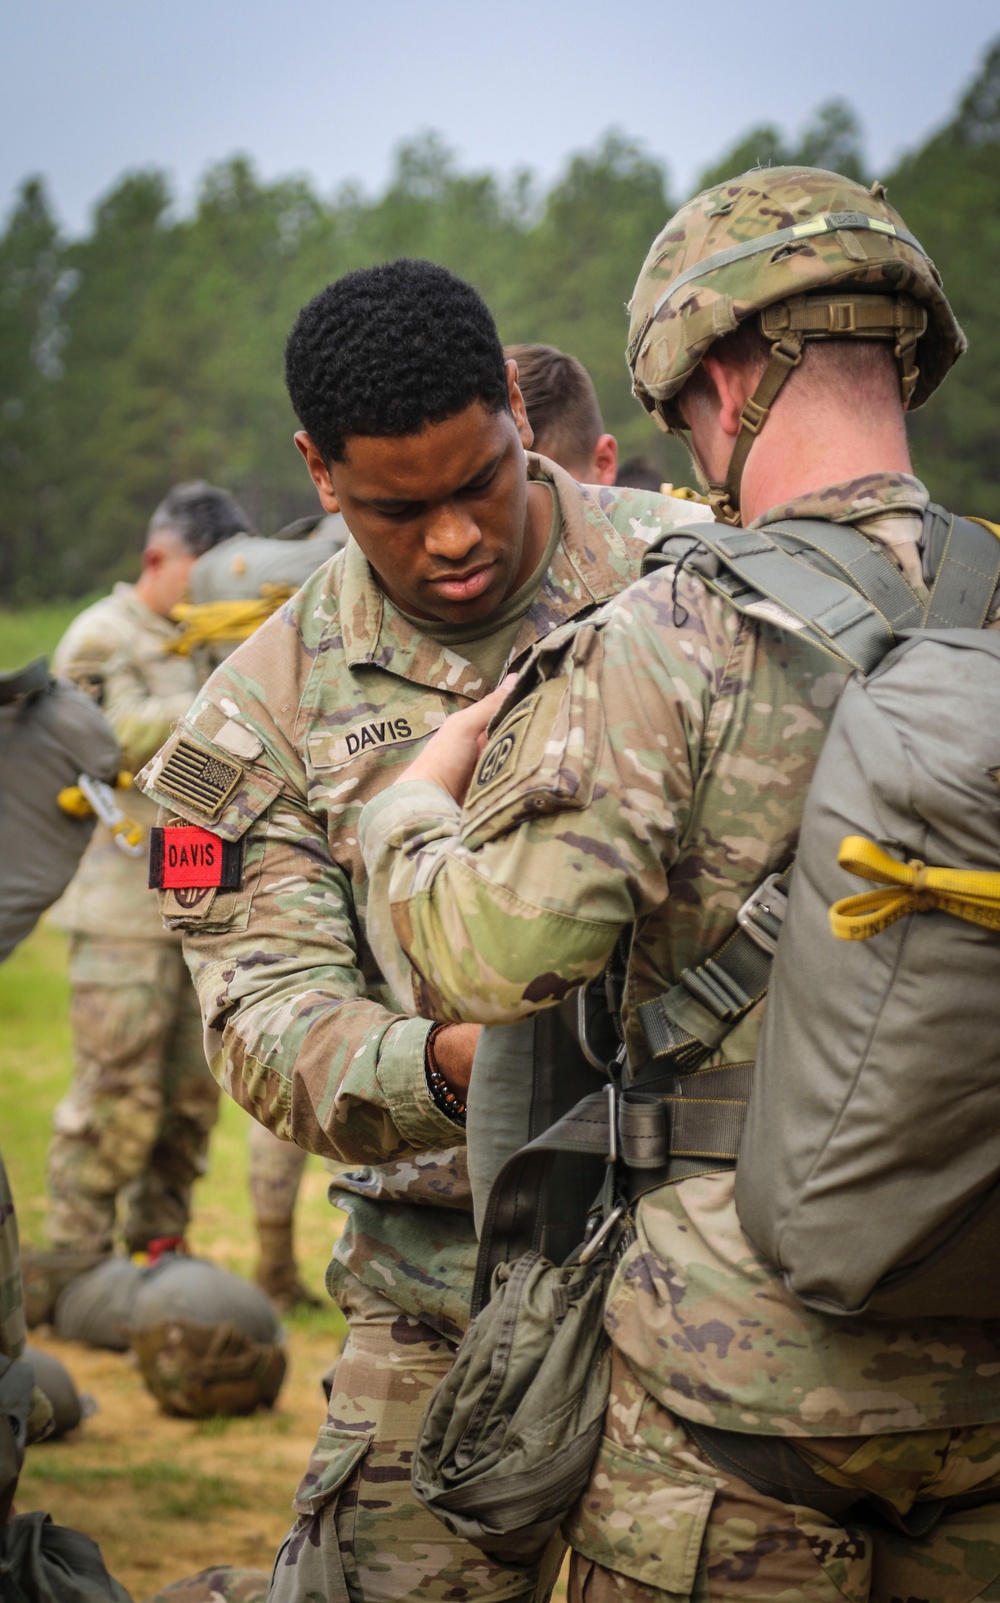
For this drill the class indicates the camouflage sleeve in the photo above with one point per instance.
(105, 667)
(293, 1034)
(11, 1299)
(301, 1030)
(572, 819)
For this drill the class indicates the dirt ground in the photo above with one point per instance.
(165, 1497)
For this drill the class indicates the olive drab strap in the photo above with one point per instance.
(788, 324)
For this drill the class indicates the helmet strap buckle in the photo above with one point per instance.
(786, 354)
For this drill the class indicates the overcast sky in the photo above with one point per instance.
(92, 88)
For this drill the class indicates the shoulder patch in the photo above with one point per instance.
(202, 780)
(502, 750)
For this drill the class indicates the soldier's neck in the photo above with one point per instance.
(802, 454)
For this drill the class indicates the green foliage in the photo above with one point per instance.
(151, 350)
(832, 140)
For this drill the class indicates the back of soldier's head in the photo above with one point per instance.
(198, 516)
(561, 403)
(386, 350)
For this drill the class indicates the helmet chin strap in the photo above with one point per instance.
(786, 354)
(788, 324)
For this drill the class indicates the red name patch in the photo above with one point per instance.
(185, 857)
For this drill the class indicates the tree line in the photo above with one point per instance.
(150, 350)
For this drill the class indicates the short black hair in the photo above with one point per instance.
(386, 350)
(200, 515)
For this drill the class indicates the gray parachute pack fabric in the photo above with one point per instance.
(50, 734)
(236, 569)
(96, 1307)
(104, 1305)
(870, 1165)
(54, 1379)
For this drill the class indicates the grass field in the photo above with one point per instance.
(33, 631)
(162, 1497)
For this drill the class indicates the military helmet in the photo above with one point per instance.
(812, 255)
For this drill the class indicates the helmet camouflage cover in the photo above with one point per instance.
(814, 256)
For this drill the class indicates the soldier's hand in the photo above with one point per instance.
(454, 1050)
(450, 756)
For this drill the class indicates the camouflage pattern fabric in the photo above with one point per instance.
(218, 1584)
(12, 1331)
(142, 1103)
(314, 714)
(659, 1521)
(136, 1119)
(319, 709)
(653, 768)
(274, 1175)
(359, 1532)
(117, 651)
(691, 291)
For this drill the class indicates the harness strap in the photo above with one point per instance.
(967, 572)
(687, 1023)
(865, 566)
(693, 1119)
(773, 1467)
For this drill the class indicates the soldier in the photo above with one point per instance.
(464, 554)
(786, 320)
(136, 1119)
(564, 412)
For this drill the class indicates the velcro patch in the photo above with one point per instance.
(502, 747)
(199, 778)
(184, 857)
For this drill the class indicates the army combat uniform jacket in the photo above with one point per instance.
(308, 720)
(119, 651)
(654, 769)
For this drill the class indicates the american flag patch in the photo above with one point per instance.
(199, 778)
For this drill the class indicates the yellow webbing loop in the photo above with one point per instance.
(225, 620)
(910, 887)
(73, 801)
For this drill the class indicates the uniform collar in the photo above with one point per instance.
(875, 495)
(589, 566)
(152, 622)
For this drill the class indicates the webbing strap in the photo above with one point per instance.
(695, 1119)
(967, 575)
(825, 223)
(863, 563)
(832, 614)
(687, 1023)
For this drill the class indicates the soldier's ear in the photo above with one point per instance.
(318, 472)
(518, 407)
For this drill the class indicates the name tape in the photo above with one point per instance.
(186, 857)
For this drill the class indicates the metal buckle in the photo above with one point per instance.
(766, 899)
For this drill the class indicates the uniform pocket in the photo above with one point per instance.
(642, 1518)
(334, 1459)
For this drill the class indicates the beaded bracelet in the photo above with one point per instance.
(447, 1100)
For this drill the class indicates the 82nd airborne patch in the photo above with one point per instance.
(199, 778)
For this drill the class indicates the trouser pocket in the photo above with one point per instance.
(310, 1562)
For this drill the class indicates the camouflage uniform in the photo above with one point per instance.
(218, 1584)
(653, 769)
(310, 718)
(137, 1116)
(12, 1332)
